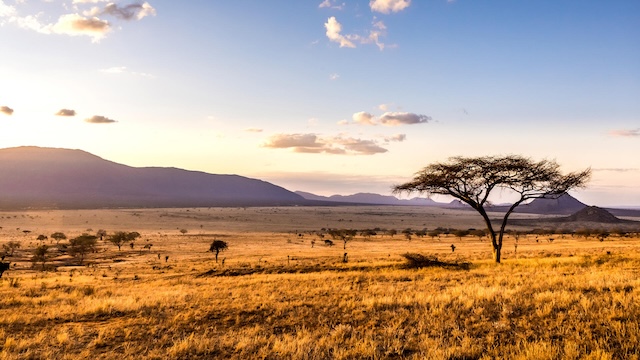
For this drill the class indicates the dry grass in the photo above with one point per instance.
(277, 297)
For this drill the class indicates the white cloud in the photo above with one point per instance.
(403, 118)
(124, 70)
(364, 118)
(387, 6)
(330, 4)
(334, 76)
(383, 107)
(333, 33)
(6, 10)
(253, 130)
(75, 24)
(312, 144)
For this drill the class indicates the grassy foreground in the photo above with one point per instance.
(569, 299)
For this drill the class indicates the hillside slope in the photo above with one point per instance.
(61, 178)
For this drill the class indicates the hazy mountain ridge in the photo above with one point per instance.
(63, 178)
(371, 198)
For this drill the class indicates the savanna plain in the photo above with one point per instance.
(281, 291)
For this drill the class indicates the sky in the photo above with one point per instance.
(329, 96)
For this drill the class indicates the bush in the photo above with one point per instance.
(415, 260)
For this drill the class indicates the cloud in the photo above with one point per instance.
(625, 132)
(75, 24)
(364, 118)
(127, 12)
(330, 4)
(97, 119)
(396, 138)
(362, 147)
(87, 23)
(333, 33)
(6, 110)
(388, 118)
(383, 107)
(343, 122)
(123, 70)
(312, 144)
(616, 169)
(66, 112)
(387, 6)
(403, 118)
(253, 130)
(334, 76)
(283, 141)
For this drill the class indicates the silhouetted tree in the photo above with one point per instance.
(217, 246)
(101, 233)
(40, 255)
(41, 237)
(472, 180)
(57, 236)
(184, 231)
(81, 245)
(119, 238)
(11, 247)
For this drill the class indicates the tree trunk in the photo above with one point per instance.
(497, 254)
(217, 252)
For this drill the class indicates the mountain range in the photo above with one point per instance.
(35, 177)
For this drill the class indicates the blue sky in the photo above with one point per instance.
(328, 96)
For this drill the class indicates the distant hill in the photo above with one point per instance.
(565, 204)
(33, 177)
(370, 198)
(593, 214)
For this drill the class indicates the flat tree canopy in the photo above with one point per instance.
(472, 179)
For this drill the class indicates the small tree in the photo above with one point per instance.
(183, 231)
(101, 233)
(81, 245)
(57, 236)
(472, 180)
(41, 237)
(217, 246)
(11, 247)
(119, 238)
(40, 255)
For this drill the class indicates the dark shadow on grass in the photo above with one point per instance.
(417, 261)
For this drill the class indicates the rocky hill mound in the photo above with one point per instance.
(593, 214)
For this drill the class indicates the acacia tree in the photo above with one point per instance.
(57, 236)
(217, 246)
(472, 180)
(119, 238)
(40, 255)
(81, 245)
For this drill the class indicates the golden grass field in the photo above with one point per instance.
(277, 297)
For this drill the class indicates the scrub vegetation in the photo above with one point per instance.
(274, 295)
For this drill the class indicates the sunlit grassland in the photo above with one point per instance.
(278, 297)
